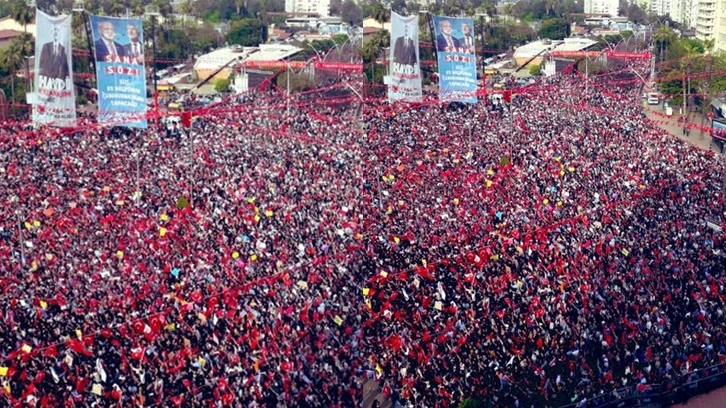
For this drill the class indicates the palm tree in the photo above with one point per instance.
(690, 50)
(664, 37)
(22, 13)
(380, 14)
(12, 59)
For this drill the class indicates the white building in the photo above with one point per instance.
(684, 12)
(711, 23)
(661, 7)
(319, 7)
(607, 7)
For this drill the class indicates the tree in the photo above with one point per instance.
(535, 69)
(22, 13)
(663, 38)
(380, 14)
(555, 29)
(221, 84)
(247, 32)
(11, 59)
(351, 13)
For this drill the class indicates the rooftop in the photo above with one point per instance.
(536, 47)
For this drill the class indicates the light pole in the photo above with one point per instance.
(153, 12)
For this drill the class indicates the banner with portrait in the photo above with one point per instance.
(54, 101)
(119, 55)
(405, 82)
(455, 49)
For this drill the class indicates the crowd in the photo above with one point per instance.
(528, 255)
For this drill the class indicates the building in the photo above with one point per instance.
(684, 12)
(660, 7)
(208, 64)
(320, 8)
(711, 23)
(372, 23)
(8, 23)
(534, 52)
(7, 37)
(604, 7)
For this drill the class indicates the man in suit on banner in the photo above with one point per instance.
(404, 50)
(445, 40)
(106, 46)
(134, 48)
(53, 59)
(468, 40)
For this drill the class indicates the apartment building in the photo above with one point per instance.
(319, 7)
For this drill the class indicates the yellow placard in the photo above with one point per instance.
(396, 239)
(120, 254)
(268, 213)
(36, 224)
(26, 348)
(162, 232)
(79, 333)
(97, 389)
(384, 274)
(366, 291)
(43, 304)
(438, 305)
(235, 255)
(456, 201)
(253, 257)
(164, 217)
(489, 183)
(338, 320)
(3, 371)
(257, 218)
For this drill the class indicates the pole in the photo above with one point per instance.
(191, 164)
(287, 74)
(22, 240)
(156, 92)
(483, 67)
(587, 77)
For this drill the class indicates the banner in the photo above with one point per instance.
(54, 101)
(405, 73)
(457, 58)
(119, 54)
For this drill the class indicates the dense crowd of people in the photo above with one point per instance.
(531, 254)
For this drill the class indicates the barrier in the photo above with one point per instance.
(674, 391)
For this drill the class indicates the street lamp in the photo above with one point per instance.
(152, 12)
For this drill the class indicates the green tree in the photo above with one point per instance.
(555, 29)
(662, 39)
(247, 32)
(221, 84)
(535, 69)
(22, 13)
(380, 14)
(11, 59)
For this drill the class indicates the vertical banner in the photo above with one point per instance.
(119, 54)
(455, 48)
(54, 102)
(405, 73)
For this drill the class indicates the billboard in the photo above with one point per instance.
(719, 130)
(119, 55)
(54, 101)
(405, 73)
(455, 49)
